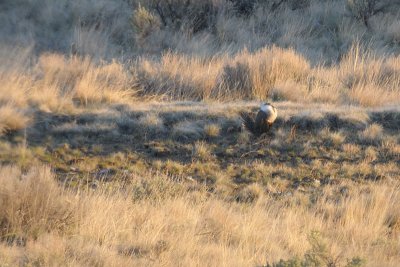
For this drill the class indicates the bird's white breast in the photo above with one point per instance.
(271, 111)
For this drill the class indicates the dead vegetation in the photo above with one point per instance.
(188, 171)
(146, 221)
(214, 50)
(121, 142)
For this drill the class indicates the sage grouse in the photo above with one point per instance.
(266, 116)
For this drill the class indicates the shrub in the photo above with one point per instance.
(188, 15)
(318, 255)
(236, 80)
(144, 22)
(393, 32)
(243, 7)
(362, 9)
(289, 90)
(298, 4)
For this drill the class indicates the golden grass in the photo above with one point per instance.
(372, 133)
(31, 204)
(178, 76)
(372, 96)
(59, 84)
(186, 186)
(360, 78)
(103, 227)
(14, 87)
(201, 151)
(108, 84)
(212, 130)
(245, 75)
(12, 119)
(179, 197)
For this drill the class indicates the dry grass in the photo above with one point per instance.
(151, 123)
(60, 84)
(31, 205)
(373, 133)
(335, 139)
(148, 184)
(176, 196)
(188, 130)
(244, 76)
(60, 227)
(78, 79)
(201, 151)
(12, 119)
(212, 130)
(178, 76)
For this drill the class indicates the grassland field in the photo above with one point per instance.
(121, 141)
(330, 171)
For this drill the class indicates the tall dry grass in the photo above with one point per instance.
(242, 76)
(56, 83)
(90, 54)
(61, 84)
(12, 119)
(361, 78)
(155, 221)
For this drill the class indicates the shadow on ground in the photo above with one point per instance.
(206, 144)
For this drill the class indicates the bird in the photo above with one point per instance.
(265, 118)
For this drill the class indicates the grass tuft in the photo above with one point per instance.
(12, 119)
(201, 151)
(372, 134)
(212, 130)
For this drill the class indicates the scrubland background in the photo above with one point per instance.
(343, 52)
(121, 142)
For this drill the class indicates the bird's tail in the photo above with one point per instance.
(248, 122)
